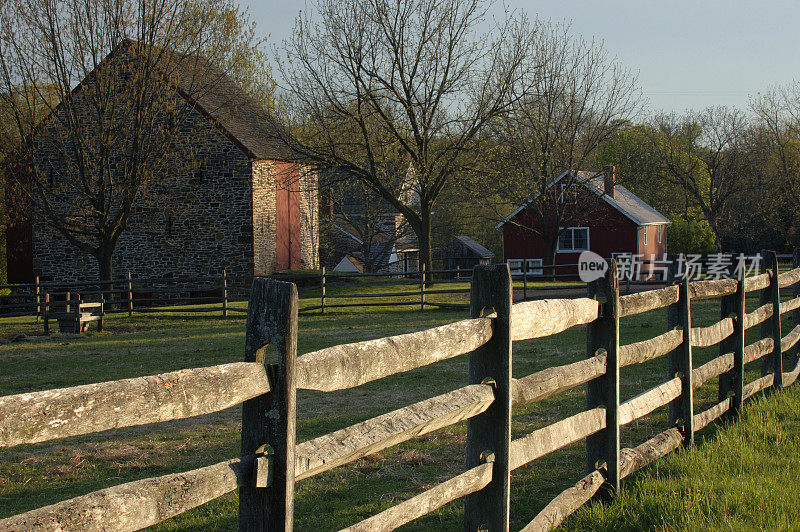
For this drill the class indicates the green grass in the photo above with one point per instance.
(35, 475)
(740, 478)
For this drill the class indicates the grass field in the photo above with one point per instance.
(743, 478)
(35, 475)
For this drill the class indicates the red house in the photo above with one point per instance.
(609, 220)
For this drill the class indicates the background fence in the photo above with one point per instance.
(271, 462)
(213, 293)
(151, 294)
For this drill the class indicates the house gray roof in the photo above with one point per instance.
(402, 242)
(476, 248)
(624, 200)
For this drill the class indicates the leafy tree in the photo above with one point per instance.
(706, 155)
(690, 236)
(635, 151)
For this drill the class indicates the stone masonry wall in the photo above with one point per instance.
(264, 224)
(309, 219)
(191, 222)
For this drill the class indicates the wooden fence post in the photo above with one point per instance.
(45, 312)
(322, 288)
(76, 314)
(731, 384)
(681, 410)
(795, 313)
(224, 294)
(422, 287)
(38, 299)
(603, 335)
(102, 313)
(489, 434)
(525, 280)
(773, 362)
(727, 308)
(130, 296)
(266, 501)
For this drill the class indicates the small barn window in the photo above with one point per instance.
(569, 193)
(517, 266)
(645, 235)
(532, 270)
(573, 239)
(660, 228)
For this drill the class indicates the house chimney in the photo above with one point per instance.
(609, 180)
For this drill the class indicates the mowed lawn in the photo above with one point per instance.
(35, 475)
(743, 478)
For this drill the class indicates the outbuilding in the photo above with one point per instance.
(464, 253)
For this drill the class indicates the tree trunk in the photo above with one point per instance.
(105, 263)
(424, 238)
(550, 246)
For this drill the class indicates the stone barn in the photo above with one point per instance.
(239, 205)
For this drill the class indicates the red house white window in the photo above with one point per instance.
(573, 239)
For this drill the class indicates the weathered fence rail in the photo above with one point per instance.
(271, 462)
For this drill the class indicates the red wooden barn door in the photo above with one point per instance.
(287, 226)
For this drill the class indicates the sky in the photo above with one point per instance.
(688, 54)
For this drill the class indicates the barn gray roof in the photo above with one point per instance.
(221, 99)
(624, 200)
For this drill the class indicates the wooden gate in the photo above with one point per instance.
(287, 226)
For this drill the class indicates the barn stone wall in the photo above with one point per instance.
(264, 225)
(190, 222)
(211, 208)
(309, 219)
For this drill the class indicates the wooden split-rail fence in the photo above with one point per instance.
(271, 462)
(43, 299)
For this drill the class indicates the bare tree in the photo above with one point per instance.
(362, 222)
(707, 154)
(398, 93)
(579, 98)
(115, 81)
